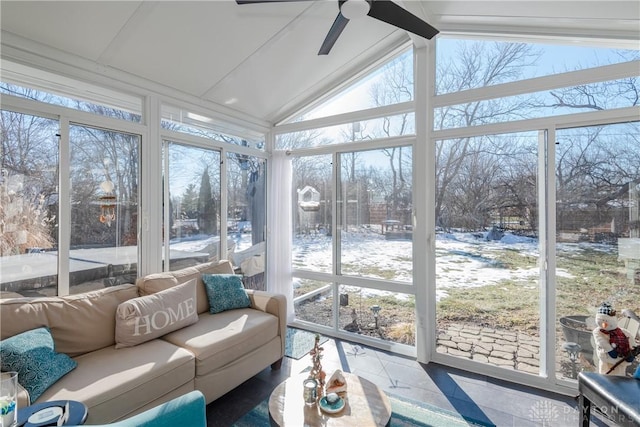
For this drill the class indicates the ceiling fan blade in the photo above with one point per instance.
(334, 32)
(389, 12)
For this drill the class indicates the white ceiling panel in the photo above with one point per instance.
(289, 64)
(193, 45)
(84, 28)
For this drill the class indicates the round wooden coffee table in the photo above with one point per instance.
(366, 405)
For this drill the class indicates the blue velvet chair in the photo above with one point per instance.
(188, 410)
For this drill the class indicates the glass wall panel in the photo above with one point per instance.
(180, 120)
(577, 99)
(246, 216)
(386, 315)
(487, 273)
(312, 213)
(193, 183)
(105, 169)
(390, 84)
(384, 127)
(79, 96)
(28, 205)
(469, 64)
(313, 301)
(375, 209)
(598, 237)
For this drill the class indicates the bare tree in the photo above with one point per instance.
(477, 65)
(395, 86)
(28, 183)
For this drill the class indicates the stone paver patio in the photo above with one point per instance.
(508, 349)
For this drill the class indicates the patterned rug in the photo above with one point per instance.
(405, 413)
(299, 342)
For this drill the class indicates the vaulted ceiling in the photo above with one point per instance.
(261, 60)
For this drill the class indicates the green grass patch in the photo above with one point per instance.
(513, 259)
(369, 271)
(505, 305)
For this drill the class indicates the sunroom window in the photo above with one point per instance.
(353, 212)
(388, 84)
(30, 83)
(70, 206)
(524, 145)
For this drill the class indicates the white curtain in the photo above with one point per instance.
(279, 226)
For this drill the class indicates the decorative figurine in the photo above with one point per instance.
(612, 343)
(337, 383)
(316, 371)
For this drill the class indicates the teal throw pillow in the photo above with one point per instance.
(32, 355)
(225, 292)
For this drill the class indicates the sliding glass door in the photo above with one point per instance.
(597, 172)
(355, 262)
(487, 250)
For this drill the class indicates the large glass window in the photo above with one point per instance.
(570, 100)
(313, 301)
(353, 210)
(192, 183)
(390, 84)
(313, 213)
(246, 201)
(30, 83)
(105, 168)
(192, 123)
(373, 239)
(469, 64)
(598, 236)
(385, 315)
(375, 210)
(28, 205)
(246, 216)
(487, 272)
(383, 127)
(103, 191)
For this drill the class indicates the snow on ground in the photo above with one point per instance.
(201, 243)
(462, 259)
(467, 260)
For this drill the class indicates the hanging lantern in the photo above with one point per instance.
(107, 186)
(107, 203)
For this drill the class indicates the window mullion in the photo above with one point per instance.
(64, 207)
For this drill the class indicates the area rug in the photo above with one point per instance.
(299, 342)
(405, 413)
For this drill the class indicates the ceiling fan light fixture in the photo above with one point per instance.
(354, 9)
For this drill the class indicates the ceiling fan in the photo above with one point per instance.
(382, 10)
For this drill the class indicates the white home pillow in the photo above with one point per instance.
(145, 318)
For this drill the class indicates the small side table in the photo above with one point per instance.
(48, 413)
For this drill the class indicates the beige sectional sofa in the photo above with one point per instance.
(213, 355)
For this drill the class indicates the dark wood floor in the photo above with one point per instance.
(471, 395)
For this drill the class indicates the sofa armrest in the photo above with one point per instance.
(271, 303)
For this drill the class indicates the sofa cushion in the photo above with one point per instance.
(114, 382)
(78, 323)
(144, 318)
(219, 339)
(32, 355)
(225, 292)
(153, 283)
